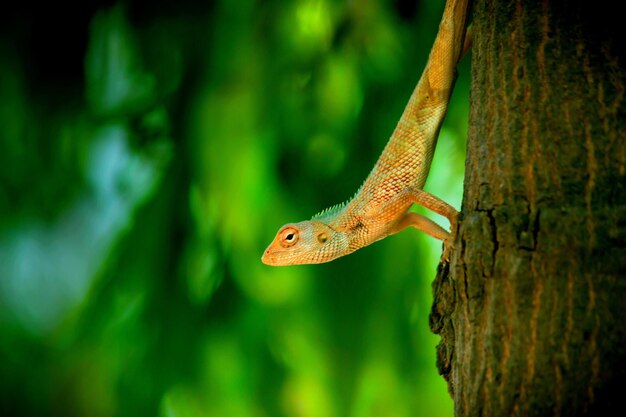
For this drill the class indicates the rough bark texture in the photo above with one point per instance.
(531, 310)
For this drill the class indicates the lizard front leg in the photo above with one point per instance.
(397, 208)
(401, 202)
(433, 203)
(430, 227)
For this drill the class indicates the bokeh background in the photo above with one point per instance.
(150, 150)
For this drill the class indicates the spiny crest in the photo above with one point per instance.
(330, 212)
(333, 211)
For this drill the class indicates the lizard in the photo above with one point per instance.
(380, 206)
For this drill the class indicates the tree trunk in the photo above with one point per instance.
(530, 310)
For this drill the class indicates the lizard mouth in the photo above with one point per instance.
(271, 257)
(267, 258)
(277, 257)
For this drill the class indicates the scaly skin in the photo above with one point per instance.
(380, 207)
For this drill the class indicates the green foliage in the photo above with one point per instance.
(139, 189)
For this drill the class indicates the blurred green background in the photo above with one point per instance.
(149, 153)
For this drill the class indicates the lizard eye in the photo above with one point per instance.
(289, 237)
(322, 237)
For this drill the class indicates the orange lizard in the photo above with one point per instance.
(380, 206)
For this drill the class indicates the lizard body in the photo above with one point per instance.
(380, 206)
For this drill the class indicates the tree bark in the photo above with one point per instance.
(530, 310)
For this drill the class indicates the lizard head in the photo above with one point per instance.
(307, 242)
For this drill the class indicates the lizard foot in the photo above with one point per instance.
(448, 242)
(448, 246)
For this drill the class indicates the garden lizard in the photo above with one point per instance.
(380, 207)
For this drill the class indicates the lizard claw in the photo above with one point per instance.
(448, 246)
(448, 243)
